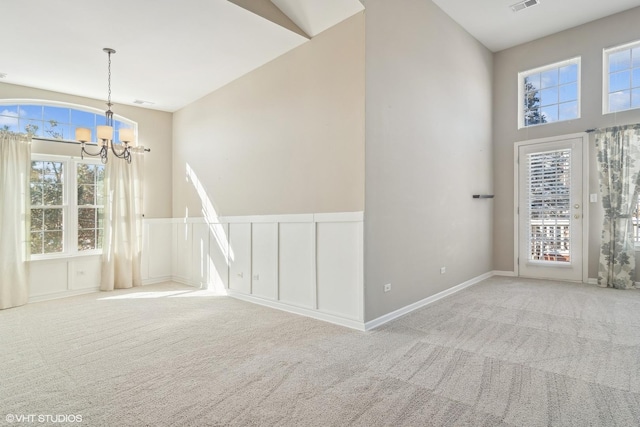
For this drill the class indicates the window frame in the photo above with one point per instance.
(606, 53)
(524, 74)
(118, 119)
(70, 207)
(65, 203)
(77, 206)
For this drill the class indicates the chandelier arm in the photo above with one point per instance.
(122, 154)
(89, 153)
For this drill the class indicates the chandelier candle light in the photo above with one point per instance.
(105, 132)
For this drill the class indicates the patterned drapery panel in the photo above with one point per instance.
(619, 167)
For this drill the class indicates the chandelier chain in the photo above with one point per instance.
(109, 78)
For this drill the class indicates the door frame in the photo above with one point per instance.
(585, 198)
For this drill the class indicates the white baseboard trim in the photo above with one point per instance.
(184, 281)
(74, 292)
(349, 323)
(504, 273)
(155, 280)
(63, 294)
(372, 324)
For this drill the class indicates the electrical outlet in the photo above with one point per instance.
(443, 270)
(387, 287)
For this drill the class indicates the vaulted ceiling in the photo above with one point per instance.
(171, 53)
(497, 26)
(168, 52)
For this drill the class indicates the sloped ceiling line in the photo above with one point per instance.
(269, 11)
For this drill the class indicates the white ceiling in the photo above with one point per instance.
(496, 26)
(168, 52)
(172, 53)
(315, 16)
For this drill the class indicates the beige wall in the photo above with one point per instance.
(586, 41)
(154, 131)
(428, 150)
(285, 138)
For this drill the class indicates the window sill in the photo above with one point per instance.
(64, 257)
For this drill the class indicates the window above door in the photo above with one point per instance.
(549, 94)
(621, 83)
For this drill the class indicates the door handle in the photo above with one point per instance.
(577, 206)
(577, 216)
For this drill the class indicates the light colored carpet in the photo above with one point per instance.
(505, 352)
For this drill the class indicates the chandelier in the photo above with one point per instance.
(105, 132)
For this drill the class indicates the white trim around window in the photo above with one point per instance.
(70, 207)
(625, 91)
(558, 86)
(55, 120)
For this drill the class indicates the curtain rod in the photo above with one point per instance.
(66, 141)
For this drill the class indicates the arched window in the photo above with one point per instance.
(66, 193)
(55, 120)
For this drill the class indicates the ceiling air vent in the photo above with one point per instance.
(524, 4)
(142, 102)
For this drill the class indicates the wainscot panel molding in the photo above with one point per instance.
(157, 245)
(309, 264)
(54, 278)
(61, 277)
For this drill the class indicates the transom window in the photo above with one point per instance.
(549, 94)
(621, 86)
(54, 120)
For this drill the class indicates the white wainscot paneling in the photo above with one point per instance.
(240, 257)
(264, 260)
(199, 254)
(297, 264)
(181, 254)
(162, 238)
(218, 258)
(339, 269)
(156, 254)
(48, 277)
(85, 272)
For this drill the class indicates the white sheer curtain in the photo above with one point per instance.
(122, 245)
(15, 165)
